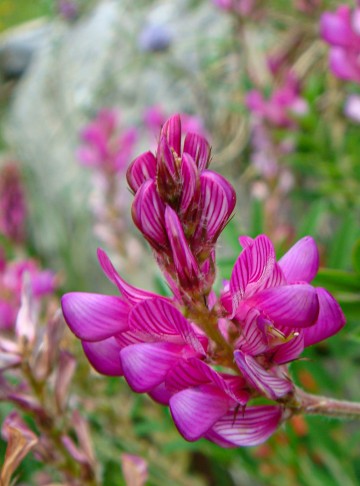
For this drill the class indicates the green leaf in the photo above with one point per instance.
(356, 256)
(338, 280)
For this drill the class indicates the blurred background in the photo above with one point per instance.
(85, 86)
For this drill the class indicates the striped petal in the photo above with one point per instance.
(146, 365)
(252, 269)
(171, 130)
(186, 266)
(199, 149)
(195, 410)
(148, 215)
(262, 380)
(290, 305)
(104, 356)
(140, 170)
(330, 320)
(132, 294)
(301, 262)
(94, 317)
(249, 428)
(160, 318)
(217, 203)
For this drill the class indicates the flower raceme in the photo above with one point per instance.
(181, 208)
(205, 356)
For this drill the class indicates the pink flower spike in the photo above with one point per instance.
(262, 380)
(148, 215)
(94, 317)
(132, 294)
(301, 262)
(140, 170)
(171, 130)
(195, 410)
(187, 269)
(104, 356)
(330, 320)
(249, 428)
(199, 149)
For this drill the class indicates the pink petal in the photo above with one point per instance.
(250, 428)
(132, 294)
(146, 365)
(161, 394)
(160, 318)
(186, 266)
(104, 356)
(195, 410)
(199, 149)
(148, 214)
(172, 131)
(262, 380)
(291, 350)
(217, 203)
(140, 170)
(343, 65)
(301, 262)
(330, 320)
(290, 305)
(94, 317)
(191, 184)
(194, 372)
(253, 267)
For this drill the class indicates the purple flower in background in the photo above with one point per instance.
(12, 203)
(105, 145)
(341, 30)
(12, 274)
(68, 9)
(282, 107)
(240, 7)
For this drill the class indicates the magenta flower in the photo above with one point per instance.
(282, 107)
(205, 357)
(267, 314)
(105, 145)
(341, 30)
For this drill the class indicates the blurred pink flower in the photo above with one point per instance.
(12, 203)
(283, 106)
(352, 107)
(241, 7)
(105, 145)
(41, 282)
(341, 30)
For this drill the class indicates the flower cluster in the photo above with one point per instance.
(204, 356)
(341, 30)
(104, 145)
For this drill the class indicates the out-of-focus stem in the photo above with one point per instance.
(317, 405)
